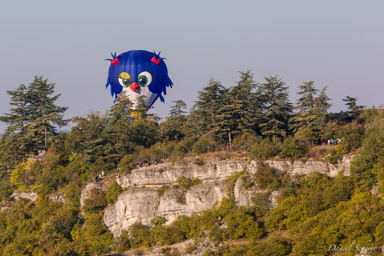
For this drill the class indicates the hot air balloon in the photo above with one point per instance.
(138, 73)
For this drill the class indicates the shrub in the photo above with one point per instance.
(170, 234)
(113, 191)
(93, 237)
(180, 197)
(266, 148)
(123, 243)
(161, 191)
(184, 146)
(187, 182)
(267, 177)
(233, 250)
(217, 234)
(335, 155)
(261, 203)
(369, 156)
(247, 181)
(242, 224)
(72, 195)
(205, 144)
(272, 247)
(140, 236)
(127, 164)
(245, 142)
(158, 221)
(95, 202)
(198, 161)
(292, 149)
(190, 248)
(158, 151)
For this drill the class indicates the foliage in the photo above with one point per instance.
(267, 177)
(35, 114)
(113, 191)
(95, 202)
(158, 221)
(276, 107)
(205, 144)
(161, 191)
(335, 155)
(313, 211)
(369, 158)
(240, 109)
(272, 247)
(292, 149)
(204, 118)
(172, 129)
(266, 148)
(186, 183)
(227, 251)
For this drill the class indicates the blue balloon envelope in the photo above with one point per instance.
(139, 73)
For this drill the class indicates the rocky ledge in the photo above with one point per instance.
(146, 196)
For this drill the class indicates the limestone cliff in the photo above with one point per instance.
(141, 201)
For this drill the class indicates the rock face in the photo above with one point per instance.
(32, 196)
(141, 202)
(86, 192)
(300, 167)
(211, 169)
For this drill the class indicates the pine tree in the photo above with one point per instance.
(35, 114)
(178, 108)
(276, 106)
(19, 116)
(116, 132)
(141, 110)
(238, 114)
(353, 108)
(121, 110)
(303, 122)
(173, 127)
(86, 137)
(205, 114)
(321, 111)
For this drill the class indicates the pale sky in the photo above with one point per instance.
(339, 44)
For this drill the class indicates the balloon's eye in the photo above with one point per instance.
(125, 82)
(144, 78)
(125, 79)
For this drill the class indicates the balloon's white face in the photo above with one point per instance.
(142, 91)
(136, 87)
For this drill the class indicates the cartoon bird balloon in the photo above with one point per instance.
(138, 73)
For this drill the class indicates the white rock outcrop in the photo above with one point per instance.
(141, 201)
(32, 196)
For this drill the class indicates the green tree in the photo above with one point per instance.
(19, 117)
(353, 108)
(304, 116)
(239, 112)
(116, 133)
(321, 111)
(276, 107)
(86, 136)
(173, 127)
(178, 108)
(113, 191)
(35, 113)
(140, 112)
(204, 118)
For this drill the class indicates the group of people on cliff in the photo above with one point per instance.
(330, 142)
